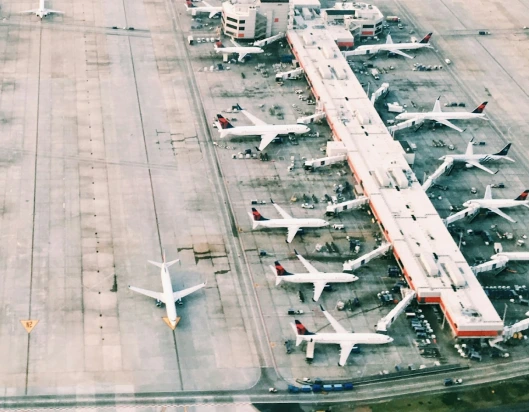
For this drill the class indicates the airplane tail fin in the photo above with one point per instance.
(189, 4)
(523, 196)
(480, 108)
(224, 123)
(219, 45)
(279, 271)
(301, 331)
(504, 151)
(256, 218)
(426, 39)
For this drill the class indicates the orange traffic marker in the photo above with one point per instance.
(29, 324)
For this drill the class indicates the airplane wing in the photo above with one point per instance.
(447, 123)
(266, 139)
(212, 13)
(150, 293)
(480, 166)
(183, 293)
(337, 327)
(502, 214)
(389, 40)
(254, 119)
(29, 11)
(235, 43)
(346, 349)
(305, 263)
(242, 56)
(280, 210)
(55, 11)
(205, 3)
(292, 233)
(401, 53)
(318, 289)
(488, 193)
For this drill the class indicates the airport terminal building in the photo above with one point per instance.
(430, 260)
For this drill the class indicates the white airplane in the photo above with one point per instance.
(494, 205)
(208, 8)
(442, 117)
(168, 297)
(319, 279)
(291, 223)
(346, 340)
(268, 132)
(476, 160)
(391, 47)
(42, 11)
(242, 51)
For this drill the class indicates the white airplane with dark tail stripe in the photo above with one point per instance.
(346, 340)
(168, 297)
(476, 160)
(494, 205)
(291, 223)
(268, 132)
(437, 115)
(319, 279)
(391, 47)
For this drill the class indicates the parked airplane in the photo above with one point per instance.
(391, 47)
(289, 222)
(208, 8)
(168, 296)
(476, 160)
(242, 51)
(42, 11)
(346, 340)
(442, 117)
(319, 279)
(494, 205)
(268, 132)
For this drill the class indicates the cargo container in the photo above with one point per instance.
(338, 387)
(306, 388)
(316, 388)
(348, 386)
(293, 389)
(393, 19)
(328, 388)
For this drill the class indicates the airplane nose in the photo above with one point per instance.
(390, 339)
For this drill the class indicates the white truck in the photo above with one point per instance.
(375, 73)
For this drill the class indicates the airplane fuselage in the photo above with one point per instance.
(481, 158)
(318, 277)
(242, 50)
(440, 115)
(168, 296)
(495, 203)
(260, 130)
(286, 223)
(354, 338)
(388, 47)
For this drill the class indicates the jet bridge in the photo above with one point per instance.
(499, 261)
(447, 164)
(264, 42)
(291, 74)
(382, 90)
(351, 265)
(384, 323)
(469, 211)
(405, 125)
(349, 205)
(324, 161)
(509, 331)
(311, 119)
